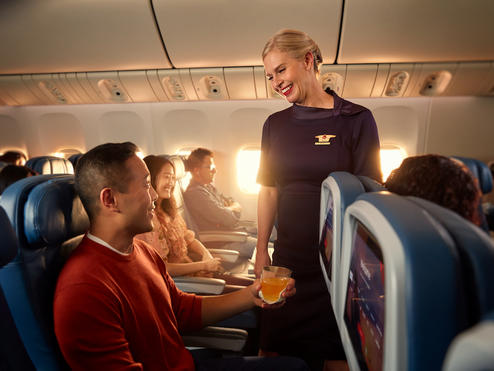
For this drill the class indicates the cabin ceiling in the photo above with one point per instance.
(89, 51)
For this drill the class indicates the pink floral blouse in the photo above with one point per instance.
(170, 237)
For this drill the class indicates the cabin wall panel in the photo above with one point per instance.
(462, 127)
(11, 134)
(59, 131)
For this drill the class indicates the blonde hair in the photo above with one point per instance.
(296, 43)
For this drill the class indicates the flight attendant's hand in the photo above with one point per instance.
(262, 260)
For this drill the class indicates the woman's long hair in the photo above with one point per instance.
(155, 164)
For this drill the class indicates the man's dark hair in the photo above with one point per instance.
(102, 167)
(439, 179)
(12, 173)
(155, 164)
(196, 158)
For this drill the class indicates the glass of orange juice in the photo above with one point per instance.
(273, 282)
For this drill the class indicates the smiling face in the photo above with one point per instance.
(137, 203)
(165, 181)
(290, 77)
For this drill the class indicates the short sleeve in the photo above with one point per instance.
(265, 173)
(366, 148)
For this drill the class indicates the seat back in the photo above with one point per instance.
(13, 355)
(338, 191)
(476, 251)
(403, 301)
(480, 171)
(49, 220)
(2, 165)
(472, 349)
(50, 165)
(74, 158)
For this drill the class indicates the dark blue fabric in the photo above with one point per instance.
(251, 364)
(480, 171)
(8, 245)
(476, 250)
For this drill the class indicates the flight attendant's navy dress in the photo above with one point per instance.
(301, 146)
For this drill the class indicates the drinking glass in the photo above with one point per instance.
(273, 282)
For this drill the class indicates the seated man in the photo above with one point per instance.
(115, 306)
(439, 179)
(210, 209)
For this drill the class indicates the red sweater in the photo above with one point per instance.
(122, 312)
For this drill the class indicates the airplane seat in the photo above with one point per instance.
(472, 349)
(338, 191)
(371, 185)
(476, 251)
(28, 281)
(2, 165)
(50, 165)
(211, 239)
(74, 158)
(13, 355)
(481, 171)
(400, 281)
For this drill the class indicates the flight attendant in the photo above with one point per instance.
(301, 145)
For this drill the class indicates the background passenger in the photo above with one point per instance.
(320, 133)
(14, 158)
(210, 209)
(115, 305)
(170, 236)
(12, 173)
(442, 180)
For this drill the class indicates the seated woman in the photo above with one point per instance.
(170, 236)
(12, 173)
(442, 180)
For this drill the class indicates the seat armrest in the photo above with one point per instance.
(230, 256)
(221, 338)
(200, 285)
(222, 236)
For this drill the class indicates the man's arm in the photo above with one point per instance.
(203, 206)
(217, 308)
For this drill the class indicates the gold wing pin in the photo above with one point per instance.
(323, 139)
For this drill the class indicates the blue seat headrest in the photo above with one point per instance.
(50, 165)
(9, 245)
(371, 185)
(479, 170)
(54, 213)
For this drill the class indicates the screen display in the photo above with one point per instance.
(326, 244)
(364, 304)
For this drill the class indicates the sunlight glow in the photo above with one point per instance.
(140, 155)
(391, 158)
(247, 167)
(184, 182)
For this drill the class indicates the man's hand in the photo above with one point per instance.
(289, 291)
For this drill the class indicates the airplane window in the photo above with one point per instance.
(247, 166)
(391, 158)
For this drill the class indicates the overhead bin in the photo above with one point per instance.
(411, 31)
(200, 33)
(79, 35)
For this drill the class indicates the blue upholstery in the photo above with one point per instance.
(8, 246)
(476, 250)
(13, 355)
(371, 185)
(480, 170)
(74, 158)
(50, 165)
(49, 220)
(424, 302)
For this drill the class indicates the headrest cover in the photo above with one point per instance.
(8, 247)
(179, 166)
(370, 184)
(54, 213)
(50, 165)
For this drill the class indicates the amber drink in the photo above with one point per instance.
(273, 281)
